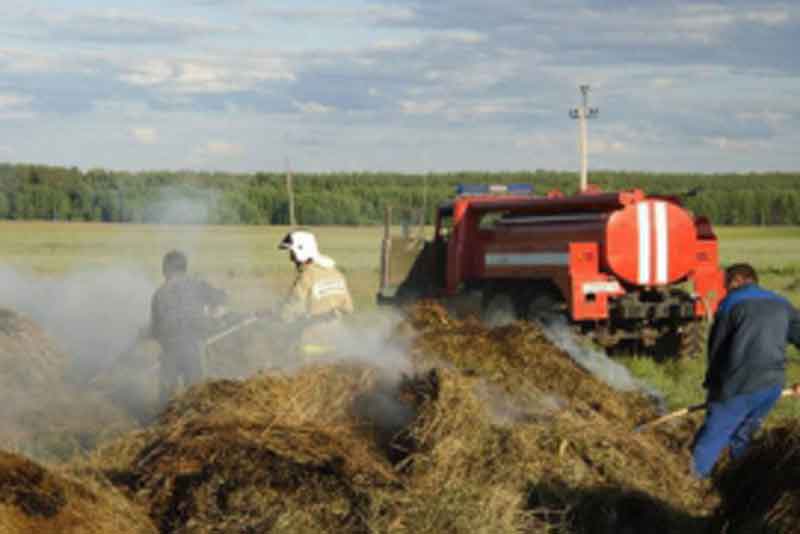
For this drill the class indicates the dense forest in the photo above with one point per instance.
(58, 193)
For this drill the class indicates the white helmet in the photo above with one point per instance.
(303, 245)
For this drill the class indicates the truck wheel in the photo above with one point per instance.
(498, 310)
(687, 342)
(544, 309)
(693, 340)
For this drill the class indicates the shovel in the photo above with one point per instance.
(788, 392)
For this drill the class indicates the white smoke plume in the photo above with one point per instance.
(598, 363)
(93, 315)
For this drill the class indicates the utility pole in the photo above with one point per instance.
(290, 193)
(583, 113)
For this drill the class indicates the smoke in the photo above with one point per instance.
(92, 315)
(185, 206)
(374, 341)
(506, 409)
(598, 363)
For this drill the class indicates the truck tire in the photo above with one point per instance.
(545, 309)
(686, 342)
(498, 310)
(693, 340)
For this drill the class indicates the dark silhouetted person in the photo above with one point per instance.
(746, 365)
(180, 322)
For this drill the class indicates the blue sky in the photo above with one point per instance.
(348, 85)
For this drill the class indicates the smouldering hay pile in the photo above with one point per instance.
(271, 454)
(520, 360)
(28, 358)
(582, 457)
(761, 491)
(43, 416)
(541, 445)
(34, 499)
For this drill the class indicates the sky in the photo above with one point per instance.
(400, 85)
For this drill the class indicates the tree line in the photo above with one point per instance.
(70, 194)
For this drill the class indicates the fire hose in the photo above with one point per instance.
(788, 392)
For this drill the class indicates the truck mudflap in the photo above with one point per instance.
(590, 290)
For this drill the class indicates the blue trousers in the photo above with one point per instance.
(731, 422)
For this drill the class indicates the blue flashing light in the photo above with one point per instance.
(494, 189)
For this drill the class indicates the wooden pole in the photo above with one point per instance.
(290, 194)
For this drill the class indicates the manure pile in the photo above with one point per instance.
(761, 491)
(495, 431)
(43, 416)
(28, 358)
(34, 499)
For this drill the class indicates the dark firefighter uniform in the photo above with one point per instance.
(180, 323)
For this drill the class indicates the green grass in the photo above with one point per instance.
(244, 259)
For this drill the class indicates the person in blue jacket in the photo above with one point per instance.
(746, 365)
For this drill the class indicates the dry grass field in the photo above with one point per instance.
(243, 259)
(246, 259)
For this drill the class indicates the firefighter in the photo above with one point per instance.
(181, 310)
(746, 365)
(318, 297)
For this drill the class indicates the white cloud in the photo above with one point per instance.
(462, 37)
(662, 83)
(118, 25)
(606, 146)
(221, 149)
(23, 61)
(211, 74)
(768, 16)
(312, 107)
(773, 118)
(537, 141)
(15, 107)
(413, 107)
(15, 101)
(149, 72)
(144, 135)
(728, 144)
(375, 14)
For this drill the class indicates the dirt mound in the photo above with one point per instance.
(34, 499)
(761, 491)
(43, 416)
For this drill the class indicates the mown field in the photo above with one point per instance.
(245, 260)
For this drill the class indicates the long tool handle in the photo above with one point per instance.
(788, 392)
(235, 328)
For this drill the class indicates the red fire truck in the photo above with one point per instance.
(626, 269)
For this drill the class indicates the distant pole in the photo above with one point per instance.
(290, 193)
(424, 201)
(583, 113)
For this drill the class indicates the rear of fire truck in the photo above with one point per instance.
(630, 271)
